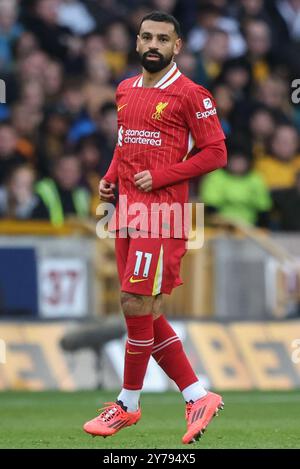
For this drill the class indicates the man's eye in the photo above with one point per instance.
(164, 39)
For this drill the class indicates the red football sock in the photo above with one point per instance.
(169, 354)
(138, 350)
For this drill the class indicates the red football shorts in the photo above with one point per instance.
(149, 266)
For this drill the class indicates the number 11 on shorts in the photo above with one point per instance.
(139, 257)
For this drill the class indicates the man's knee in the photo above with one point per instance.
(136, 305)
(131, 304)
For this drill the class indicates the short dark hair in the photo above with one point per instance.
(162, 17)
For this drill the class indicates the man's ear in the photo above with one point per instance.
(137, 42)
(178, 46)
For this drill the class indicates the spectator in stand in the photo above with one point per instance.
(43, 22)
(17, 197)
(9, 153)
(274, 93)
(289, 13)
(26, 124)
(223, 96)
(280, 167)
(53, 82)
(31, 66)
(73, 102)
(259, 46)
(51, 139)
(97, 86)
(10, 32)
(236, 76)
(236, 73)
(251, 9)
(187, 64)
(164, 5)
(285, 15)
(90, 154)
(94, 45)
(32, 97)
(237, 192)
(211, 17)
(25, 45)
(57, 41)
(62, 195)
(135, 17)
(107, 133)
(262, 128)
(287, 206)
(106, 11)
(212, 56)
(118, 43)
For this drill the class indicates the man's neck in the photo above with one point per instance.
(151, 79)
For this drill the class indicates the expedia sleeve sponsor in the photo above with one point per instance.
(206, 114)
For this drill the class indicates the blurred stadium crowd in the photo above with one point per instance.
(61, 61)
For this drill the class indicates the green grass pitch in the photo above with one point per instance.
(54, 420)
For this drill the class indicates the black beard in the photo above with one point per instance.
(155, 66)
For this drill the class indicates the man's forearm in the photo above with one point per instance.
(210, 158)
(112, 172)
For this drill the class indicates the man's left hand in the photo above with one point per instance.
(143, 181)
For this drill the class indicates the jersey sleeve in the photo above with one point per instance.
(201, 117)
(213, 156)
(112, 172)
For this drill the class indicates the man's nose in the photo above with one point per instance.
(154, 43)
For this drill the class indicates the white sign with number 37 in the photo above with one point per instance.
(62, 288)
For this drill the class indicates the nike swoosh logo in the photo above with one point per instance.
(121, 107)
(136, 280)
(133, 353)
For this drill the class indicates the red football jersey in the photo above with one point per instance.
(158, 128)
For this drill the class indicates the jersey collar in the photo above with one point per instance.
(164, 82)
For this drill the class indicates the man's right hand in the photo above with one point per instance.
(106, 190)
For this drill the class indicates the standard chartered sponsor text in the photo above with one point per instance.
(142, 137)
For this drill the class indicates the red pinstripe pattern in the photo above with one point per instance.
(178, 118)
